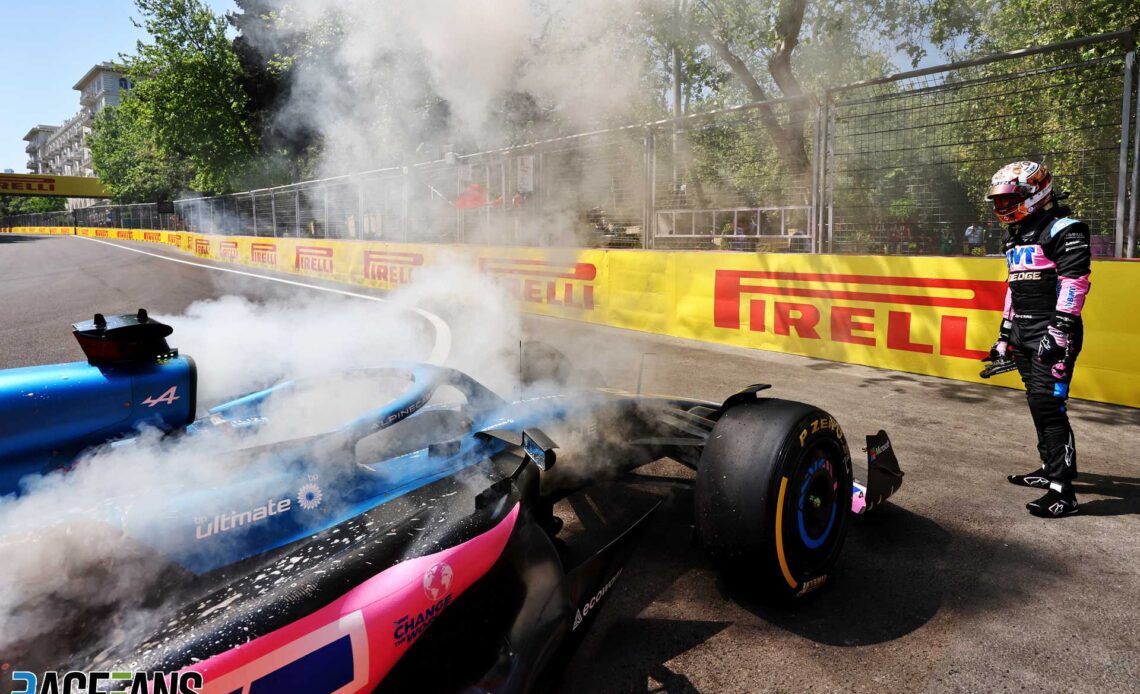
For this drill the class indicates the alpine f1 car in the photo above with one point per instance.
(421, 545)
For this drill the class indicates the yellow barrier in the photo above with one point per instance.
(925, 315)
(52, 186)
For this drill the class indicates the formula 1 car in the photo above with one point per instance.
(430, 543)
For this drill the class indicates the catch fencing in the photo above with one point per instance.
(897, 165)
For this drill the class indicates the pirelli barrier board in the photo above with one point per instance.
(47, 185)
(924, 315)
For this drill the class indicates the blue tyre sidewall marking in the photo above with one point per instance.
(808, 541)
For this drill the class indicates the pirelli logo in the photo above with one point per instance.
(102, 233)
(798, 303)
(263, 253)
(393, 267)
(202, 247)
(228, 250)
(174, 240)
(124, 235)
(314, 259)
(152, 236)
(544, 282)
(26, 184)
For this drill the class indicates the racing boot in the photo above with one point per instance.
(1035, 479)
(1059, 501)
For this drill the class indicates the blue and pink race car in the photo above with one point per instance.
(430, 543)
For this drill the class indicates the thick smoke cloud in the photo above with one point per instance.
(374, 93)
(70, 567)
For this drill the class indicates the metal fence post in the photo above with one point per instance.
(813, 203)
(359, 209)
(297, 211)
(325, 191)
(826, 194)
(1122, 176)
(253, 211)
(404, 205)
(1130, 251)
(649, 228)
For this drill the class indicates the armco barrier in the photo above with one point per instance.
(933, 316)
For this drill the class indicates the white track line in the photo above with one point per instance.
(439, 350)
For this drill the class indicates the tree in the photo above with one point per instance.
(128, 160)
(789, 48)
(268, 47)
(19, 204)
(188, 94)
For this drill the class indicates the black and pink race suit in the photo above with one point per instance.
(1049, 260)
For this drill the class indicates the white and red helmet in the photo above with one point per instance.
(1020, 189)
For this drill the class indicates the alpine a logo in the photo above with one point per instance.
(797, 303)
(313, 259)
(228, 250)
(263, 253)
(45, 184)
(393, 267)
(545, 282)
(584, 610)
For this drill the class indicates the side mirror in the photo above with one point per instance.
(539, 449)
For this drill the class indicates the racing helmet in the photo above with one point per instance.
(1020, 189)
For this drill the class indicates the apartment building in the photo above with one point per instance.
(62, 150)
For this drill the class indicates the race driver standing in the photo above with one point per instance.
(1049, 259)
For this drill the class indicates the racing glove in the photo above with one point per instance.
(1001, 349)
(1055, 345)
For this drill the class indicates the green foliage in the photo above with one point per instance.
(129, 161)
(903, 209)
(288, 147)
(187, 94)
(19, 204)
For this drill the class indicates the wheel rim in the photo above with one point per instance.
(816, 502)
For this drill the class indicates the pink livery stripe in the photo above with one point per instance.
(1071, 293)
(354, 641)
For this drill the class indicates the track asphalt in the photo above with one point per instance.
(952, 587)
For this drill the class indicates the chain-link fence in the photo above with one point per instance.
(742, 179)
(897, 165)
(909, 157)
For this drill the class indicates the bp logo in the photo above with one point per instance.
(309, 496)
(437, 580)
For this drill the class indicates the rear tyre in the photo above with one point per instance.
(773, 496)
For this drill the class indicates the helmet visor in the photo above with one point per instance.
(1003, 189)
(1006, 204)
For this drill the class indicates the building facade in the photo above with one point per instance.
(62, 150)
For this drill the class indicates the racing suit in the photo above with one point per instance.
(1049, 258)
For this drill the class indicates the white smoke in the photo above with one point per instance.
(370, 97)
(66, 557)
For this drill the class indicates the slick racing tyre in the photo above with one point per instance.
(773, 496)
